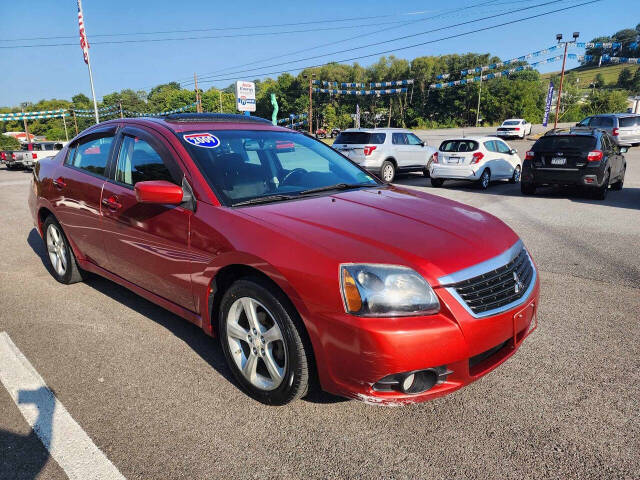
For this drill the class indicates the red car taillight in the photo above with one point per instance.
(3, 156)
(530, 155)
(477, 157)
(615, 132)
(435, 157)
(517, 129)
(369, 149)
(34, 155)
(594, 156)
(13, 156)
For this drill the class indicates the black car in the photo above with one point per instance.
(584, 157)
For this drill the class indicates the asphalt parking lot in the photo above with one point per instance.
(154, 394)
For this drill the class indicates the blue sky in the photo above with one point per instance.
(30, 74)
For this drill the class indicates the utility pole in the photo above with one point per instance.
(198, 102)
(120, 105)
(64, 122)
(389, 119)
(479, 93)
(75, 121)
(564, 61)
(26, 127)
(310, 114)
(220, 94)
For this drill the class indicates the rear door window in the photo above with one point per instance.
(93, 156)
(399, 139)
(603, 122)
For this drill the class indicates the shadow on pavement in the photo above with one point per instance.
(628, 197)
(207, 347)
(22, 457)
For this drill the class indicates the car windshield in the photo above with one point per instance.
(629, 121)
(511, 122)
(565, 142)
(255, 166)
(360, 138)
(458, 146)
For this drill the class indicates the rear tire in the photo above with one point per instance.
(485, 179)
(527, 188)
(600, 193)
(273, 339)
(437, 182)
(64, 267)
(620, 183)
(388, 171)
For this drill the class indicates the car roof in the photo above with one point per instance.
(203, 121)
(377, 130)
(475, 138)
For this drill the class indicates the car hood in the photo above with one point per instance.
(431, 234)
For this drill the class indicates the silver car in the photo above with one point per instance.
(385, 151)
(623, 127)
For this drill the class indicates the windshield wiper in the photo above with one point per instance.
(265, 199)
(337, 186)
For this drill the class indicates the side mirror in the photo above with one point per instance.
(624, 149)
(513, 151)
(158, 191)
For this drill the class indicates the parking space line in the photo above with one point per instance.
(65, 440)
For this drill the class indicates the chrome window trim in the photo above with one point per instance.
(484, 267)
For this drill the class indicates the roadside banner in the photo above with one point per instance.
(547, 107)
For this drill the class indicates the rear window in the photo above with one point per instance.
(511, 122)
(360, 138)
(629, 121)
(565, 142)
(458, 146)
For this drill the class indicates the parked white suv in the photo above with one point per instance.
(385, 151)
(478, 159)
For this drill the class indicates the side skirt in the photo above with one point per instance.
(146, 294)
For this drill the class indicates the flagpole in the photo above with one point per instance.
(84, 43)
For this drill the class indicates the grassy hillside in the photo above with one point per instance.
(587, 74)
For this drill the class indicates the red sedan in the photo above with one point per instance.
(307, 267)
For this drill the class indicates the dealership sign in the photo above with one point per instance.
(245, 96)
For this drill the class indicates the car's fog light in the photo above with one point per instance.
(407, 383)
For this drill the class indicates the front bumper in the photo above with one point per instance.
(360, 351)
(458, 172)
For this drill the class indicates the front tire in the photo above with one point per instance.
(437, 182)
(388, 171)
(64, 267)
(263, 342)
(515, 178)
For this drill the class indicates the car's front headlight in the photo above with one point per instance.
(374, 290)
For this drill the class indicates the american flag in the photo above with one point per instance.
(84, 43)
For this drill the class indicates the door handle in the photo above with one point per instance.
(59, 182)
(111, 203)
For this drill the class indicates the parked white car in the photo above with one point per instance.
(385, 151)
(477, 159)
(514, 127)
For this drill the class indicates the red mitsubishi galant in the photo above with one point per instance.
(307, 267)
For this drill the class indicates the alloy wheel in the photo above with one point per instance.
(387, 173)
(57, 250)
(256, 343)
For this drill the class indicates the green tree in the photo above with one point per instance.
(599, 80)
(7, 142)
(625, 78)
(605, 101)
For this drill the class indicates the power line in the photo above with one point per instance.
(209, 29)
(214, 77)
(417, 44)
(443, 12)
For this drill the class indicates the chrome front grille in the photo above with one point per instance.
(495, 285)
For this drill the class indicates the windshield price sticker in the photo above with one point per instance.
(204, 140)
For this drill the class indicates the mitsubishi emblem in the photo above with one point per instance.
(519, 285)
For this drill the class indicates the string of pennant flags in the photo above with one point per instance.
(393, 83)
(489, 76)
(21, 115)
(100, 110)
(4, 118)
(389, 91)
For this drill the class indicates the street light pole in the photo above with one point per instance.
(564, 61)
